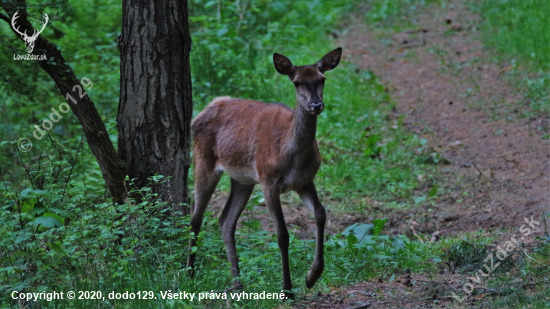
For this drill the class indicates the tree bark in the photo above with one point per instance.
(155, 107)
(85, 110)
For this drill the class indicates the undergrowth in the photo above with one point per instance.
(365, 149)
(53, 238)
(48, 246)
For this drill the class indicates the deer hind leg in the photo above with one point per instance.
(308, 194)
(206, 180)
(273, 202)
(239, 196)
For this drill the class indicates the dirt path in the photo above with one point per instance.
(454, 95)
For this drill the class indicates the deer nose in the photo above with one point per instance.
(316, 107)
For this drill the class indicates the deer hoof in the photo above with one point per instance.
(314, 274)
(289, 296)
(310, 280)
(309, 284)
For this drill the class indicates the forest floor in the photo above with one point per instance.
(453, 93)
(474, 113)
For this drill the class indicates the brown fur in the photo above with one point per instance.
(269, 144)
(221, 140)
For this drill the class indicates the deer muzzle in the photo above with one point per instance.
(316, 108)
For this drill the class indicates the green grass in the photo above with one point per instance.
(519, 28)
(520, 280)
(520, 31)
(57, 240)
(366, 152)
(365, 149)
(86, 256)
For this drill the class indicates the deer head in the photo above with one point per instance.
(309, 79)
(29, 40)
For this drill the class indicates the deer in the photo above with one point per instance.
(29, 40)
(268, 144)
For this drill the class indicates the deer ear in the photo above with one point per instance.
(330, 60)
(283, 64)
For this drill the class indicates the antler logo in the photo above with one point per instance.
(29, 40)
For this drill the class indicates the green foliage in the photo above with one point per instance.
(139, 247)
(466, 255)
(233, 44)
(57, 232)
(233, 52)
(70, 247)
(366, 150)
(86, 33)
(521, 280)
(519, 28)
(529, 285)
(538, 92)
(520, 31)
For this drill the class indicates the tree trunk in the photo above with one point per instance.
(65, 79)
(155, 107)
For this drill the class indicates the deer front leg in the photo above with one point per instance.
(273, 203)
(308, 194)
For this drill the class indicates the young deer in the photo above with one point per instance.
(269, 144)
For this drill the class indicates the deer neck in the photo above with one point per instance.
(302, 132)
